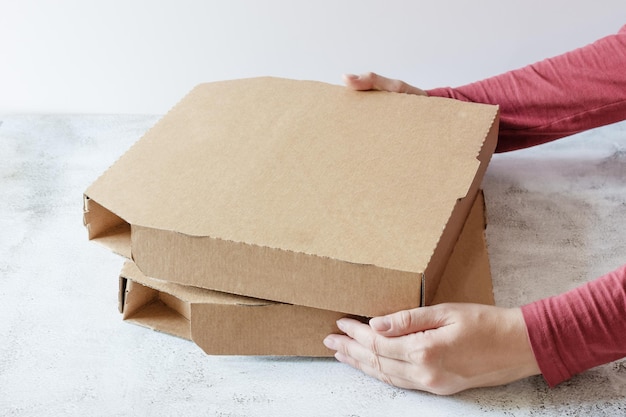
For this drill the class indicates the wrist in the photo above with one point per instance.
(523, 359)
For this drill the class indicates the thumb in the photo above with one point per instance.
(407, 322)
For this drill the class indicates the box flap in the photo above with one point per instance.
(188, 293)
(150, 308)
(106, 228)
(346, 179)
(223, 323)
(279, 329)
(467, 276)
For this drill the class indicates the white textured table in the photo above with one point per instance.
(557, 217)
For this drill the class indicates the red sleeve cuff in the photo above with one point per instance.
(579, 329)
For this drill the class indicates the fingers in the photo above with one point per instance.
(351, 352)
(359, 82)
(373, 81)
(391, 360)
(392, 348)
(377, 369)
(408, 321)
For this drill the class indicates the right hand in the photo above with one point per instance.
(443, 349)
(372, 81)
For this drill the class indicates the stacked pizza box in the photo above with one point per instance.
(257, 212)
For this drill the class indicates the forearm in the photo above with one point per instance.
(557, 97)
(579, 329)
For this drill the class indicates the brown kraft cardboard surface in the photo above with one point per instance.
(299, 192)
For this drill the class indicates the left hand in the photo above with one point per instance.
(373, 81)
(441, 349)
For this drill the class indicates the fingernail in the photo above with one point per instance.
(351, 76)
(380, 324)
(341, 325)
(329, 342)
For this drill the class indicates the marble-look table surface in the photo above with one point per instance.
(556, 218)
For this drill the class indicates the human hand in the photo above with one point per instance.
(372, 81)
(443, 349)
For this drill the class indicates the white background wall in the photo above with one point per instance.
(141, 56)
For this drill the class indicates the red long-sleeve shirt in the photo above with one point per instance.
(551, 99)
